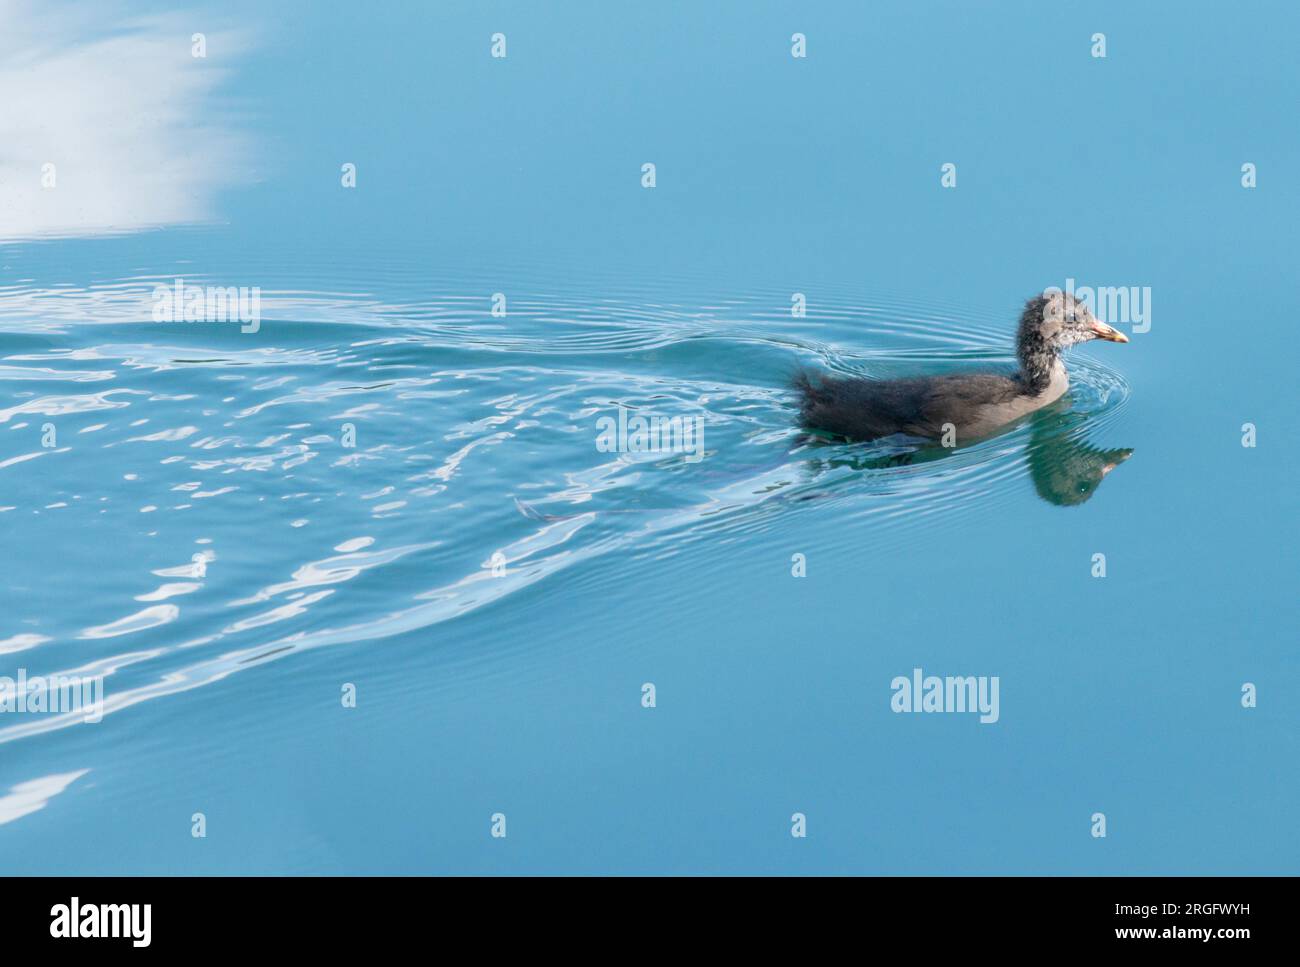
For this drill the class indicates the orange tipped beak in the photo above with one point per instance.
(1103, 331)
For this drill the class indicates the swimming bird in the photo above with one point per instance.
(972, 404)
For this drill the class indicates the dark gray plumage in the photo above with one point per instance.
(974, 404)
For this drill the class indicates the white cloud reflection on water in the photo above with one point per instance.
(28, 797)
(135, 126)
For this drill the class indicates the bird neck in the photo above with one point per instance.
(1037, 361)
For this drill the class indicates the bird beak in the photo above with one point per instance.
(1113, 459)
(1103, 331)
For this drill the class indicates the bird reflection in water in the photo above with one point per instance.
(1065, 468)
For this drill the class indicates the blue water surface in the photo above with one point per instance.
(495, 587)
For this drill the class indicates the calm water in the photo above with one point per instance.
(182, 511)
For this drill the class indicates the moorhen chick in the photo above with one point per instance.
(976, 404)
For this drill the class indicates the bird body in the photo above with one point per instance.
(974, 405)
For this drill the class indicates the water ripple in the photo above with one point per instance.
(464, 446)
